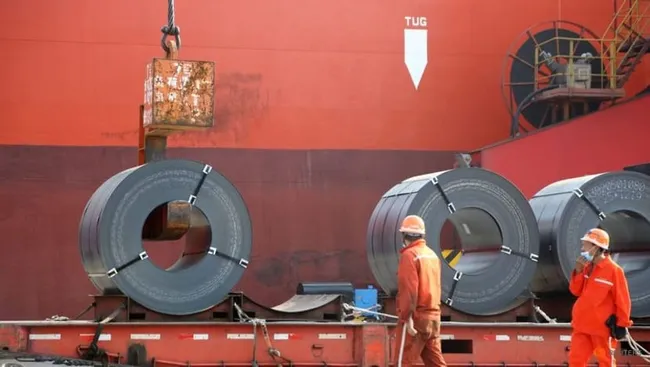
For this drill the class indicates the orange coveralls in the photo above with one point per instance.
(418, 295)
(602, 291)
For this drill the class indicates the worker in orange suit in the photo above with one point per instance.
(418, 298)
(601, 314)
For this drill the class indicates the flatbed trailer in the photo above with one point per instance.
(259, 343)
(254, 335)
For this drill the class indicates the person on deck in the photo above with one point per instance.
(601, 313)
(418, 298)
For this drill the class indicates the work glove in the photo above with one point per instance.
(410, 328)
(617, 332)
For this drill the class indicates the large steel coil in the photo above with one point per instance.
(493, 221)
(219, 239)
(618, 202)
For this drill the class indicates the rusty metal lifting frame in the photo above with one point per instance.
(179, 96)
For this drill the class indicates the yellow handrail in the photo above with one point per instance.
(636, 21)
(615, 24)
(607, 74)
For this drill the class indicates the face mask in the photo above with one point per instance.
(587, 255)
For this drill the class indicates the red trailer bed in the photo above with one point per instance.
(297, 343)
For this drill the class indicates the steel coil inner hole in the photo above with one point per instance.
(173, 228)
(629, 240)
(470, 241)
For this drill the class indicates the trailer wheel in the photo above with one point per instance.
(136, 355)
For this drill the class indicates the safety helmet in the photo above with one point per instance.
(412, 224)
(598, 237)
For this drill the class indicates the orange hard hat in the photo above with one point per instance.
(598, 237)
(412, 224)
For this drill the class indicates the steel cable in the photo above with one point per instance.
(170, 29)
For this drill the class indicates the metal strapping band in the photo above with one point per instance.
(450, 205)
(449, 301)
(591, 204)
(113, 272)
(206, 170)
(508, 251)
(241, 262)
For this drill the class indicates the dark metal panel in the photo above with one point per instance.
(341, 288)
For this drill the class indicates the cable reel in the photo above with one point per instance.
(519, 75)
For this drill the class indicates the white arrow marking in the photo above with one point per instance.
(415, 53)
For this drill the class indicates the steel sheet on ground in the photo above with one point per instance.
(618, 202)
(342, 288)
(110, 236)
(488, 283)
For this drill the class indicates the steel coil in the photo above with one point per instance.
(110, 237)
(487, 211)
(618, 202)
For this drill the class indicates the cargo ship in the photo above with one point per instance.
(314, 120)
